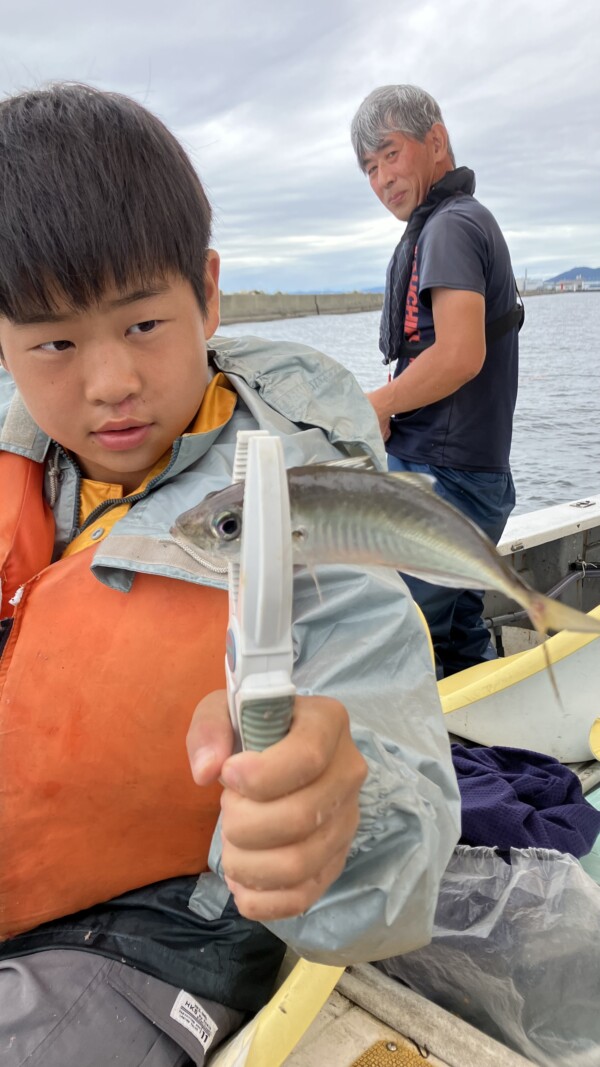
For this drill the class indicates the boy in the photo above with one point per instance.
(117, 415)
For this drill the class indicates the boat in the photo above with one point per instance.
(359, 1017)
(515, 700)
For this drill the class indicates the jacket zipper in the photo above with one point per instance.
(54, 473)
(106, 505)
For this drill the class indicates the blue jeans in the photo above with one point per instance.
(460, 638)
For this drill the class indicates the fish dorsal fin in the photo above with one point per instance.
(424, 482)
(364, 463)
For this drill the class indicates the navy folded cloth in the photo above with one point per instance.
(513, 798)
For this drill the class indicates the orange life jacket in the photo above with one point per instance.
(97, 690)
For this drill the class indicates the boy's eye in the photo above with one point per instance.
(56, 346)
(144, 327)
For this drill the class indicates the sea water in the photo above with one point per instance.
(556, 441)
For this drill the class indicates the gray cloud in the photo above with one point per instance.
(262, 96)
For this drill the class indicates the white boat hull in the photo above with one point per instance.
(512, 701)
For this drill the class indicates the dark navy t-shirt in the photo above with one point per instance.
(461, 247)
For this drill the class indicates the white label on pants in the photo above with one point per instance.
(189, 1013)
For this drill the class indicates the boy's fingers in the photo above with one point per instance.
(289, 813)
(291, 865)
(296, 761)
(255, 825)
(266, 905)
(210, 738)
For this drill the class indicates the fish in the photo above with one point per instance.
(343, 515)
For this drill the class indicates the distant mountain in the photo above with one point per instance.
(587, 274)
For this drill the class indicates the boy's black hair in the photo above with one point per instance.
(94, 191)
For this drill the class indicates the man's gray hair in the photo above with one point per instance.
(393, 109)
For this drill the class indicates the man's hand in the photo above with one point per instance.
(289, 813)
(378, 401)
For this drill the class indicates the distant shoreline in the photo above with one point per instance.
(557, 292)
(265, 307)
(257, 307)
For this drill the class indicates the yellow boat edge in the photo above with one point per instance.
(271, 1036)
(486, 679)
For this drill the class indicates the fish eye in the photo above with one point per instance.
(227, 526)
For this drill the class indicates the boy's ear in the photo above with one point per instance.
(211, 293)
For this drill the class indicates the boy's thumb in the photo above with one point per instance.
(210, 738)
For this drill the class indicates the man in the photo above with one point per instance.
(119, 409)
(450, 300)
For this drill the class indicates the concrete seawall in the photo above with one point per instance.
(257, 307)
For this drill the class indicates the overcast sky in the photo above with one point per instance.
(262, 92)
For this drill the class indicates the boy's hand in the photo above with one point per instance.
(290, 812)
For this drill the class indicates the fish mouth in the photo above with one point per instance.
(208, 556)
(213, 548)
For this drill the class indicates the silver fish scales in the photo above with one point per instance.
(348, 516)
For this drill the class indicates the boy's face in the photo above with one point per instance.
(117, 383)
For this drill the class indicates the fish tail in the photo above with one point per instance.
(547, 614)
(552, 677)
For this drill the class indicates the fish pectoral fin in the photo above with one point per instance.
(425, 482)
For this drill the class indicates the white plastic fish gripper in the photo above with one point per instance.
(259, 653)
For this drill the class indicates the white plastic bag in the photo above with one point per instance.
(516, 952)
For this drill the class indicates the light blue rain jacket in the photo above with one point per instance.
(357, 638)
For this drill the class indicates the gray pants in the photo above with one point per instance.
(65, 1008)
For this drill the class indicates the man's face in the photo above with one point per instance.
(115, 384)
(402, 170)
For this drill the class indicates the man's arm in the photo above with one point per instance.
(456, 357)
